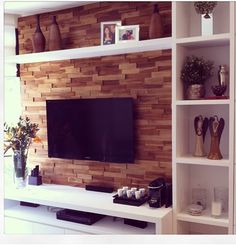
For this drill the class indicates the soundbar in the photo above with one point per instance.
(104, 189)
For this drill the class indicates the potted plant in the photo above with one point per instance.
(194, 73)
(19, 138)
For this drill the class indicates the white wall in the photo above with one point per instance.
(12, 96)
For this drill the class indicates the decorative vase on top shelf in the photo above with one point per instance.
(19, 138)
(205, 9)
(39, 41)
(54, 41)
(156, 27)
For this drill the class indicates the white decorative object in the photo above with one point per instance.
(221, 195)
(137, 194)
(207, 25)
(129, 193)
(120, 192)
(195, 209)
(216, 208)
(205, 9)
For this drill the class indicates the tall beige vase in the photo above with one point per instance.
(54, 41)
(156, 27)
(38, 39)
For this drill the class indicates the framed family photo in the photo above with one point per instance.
(109, 32)
(127, 33)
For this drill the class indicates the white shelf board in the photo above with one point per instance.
(204, 41)
(80, 199)
(189, 159)
(205, 218)
(93, 51)
(203, 102)
(104, 226)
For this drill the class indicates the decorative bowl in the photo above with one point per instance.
(219, 90)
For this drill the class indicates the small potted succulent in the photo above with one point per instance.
(194, 73)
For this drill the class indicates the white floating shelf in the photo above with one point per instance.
(51, 195)
(204, 102)
(104, 226)
(204, 41)
(189, 159)
(205, 218)
(94, 51)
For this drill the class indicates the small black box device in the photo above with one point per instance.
(79, 216)
(136, 223)
(168, 198)
(97, 188)
(35, 178)
(29, 204)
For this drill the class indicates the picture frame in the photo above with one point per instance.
(109, 32)
(127, 34)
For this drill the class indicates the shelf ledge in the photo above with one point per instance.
(94, 51)
(189, 159)
(205, 218)
(203, 102)
(204, 41)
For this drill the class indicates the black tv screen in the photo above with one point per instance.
(91, 129)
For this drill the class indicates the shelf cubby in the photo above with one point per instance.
(217, 52)
(190, 21)
(191, 176)
(185, 115)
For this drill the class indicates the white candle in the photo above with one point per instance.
(216, 208)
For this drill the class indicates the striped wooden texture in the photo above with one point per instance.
(144, 76)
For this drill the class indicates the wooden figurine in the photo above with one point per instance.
(200, 126)
(216, 128)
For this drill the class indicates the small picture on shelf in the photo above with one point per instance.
(109, 32)
(127, 33)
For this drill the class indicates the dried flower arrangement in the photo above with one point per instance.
(196, 70)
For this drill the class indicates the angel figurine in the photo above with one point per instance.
(216, 127)
(200, 126)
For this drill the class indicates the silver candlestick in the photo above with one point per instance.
(222, 75)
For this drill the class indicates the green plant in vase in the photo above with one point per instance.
(18, 138)
(195, 71)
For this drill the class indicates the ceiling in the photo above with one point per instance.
(25, 8)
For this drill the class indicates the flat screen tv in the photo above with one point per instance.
(98, 129)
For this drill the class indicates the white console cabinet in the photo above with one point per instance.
(42, 220)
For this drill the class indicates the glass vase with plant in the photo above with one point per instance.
(195, 71)
(18, 138)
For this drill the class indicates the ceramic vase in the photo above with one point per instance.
(195, 92)
(156, 27)
(38, 38)
(54, 41)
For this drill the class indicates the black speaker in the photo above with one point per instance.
(168, 197)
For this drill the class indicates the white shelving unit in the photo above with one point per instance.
(94, 51)
(59, 196)
(235, 126)
(193, 172)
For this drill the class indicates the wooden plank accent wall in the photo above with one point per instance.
(144, 76)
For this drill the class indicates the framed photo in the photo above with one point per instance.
(108, 32)
(127, 33)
